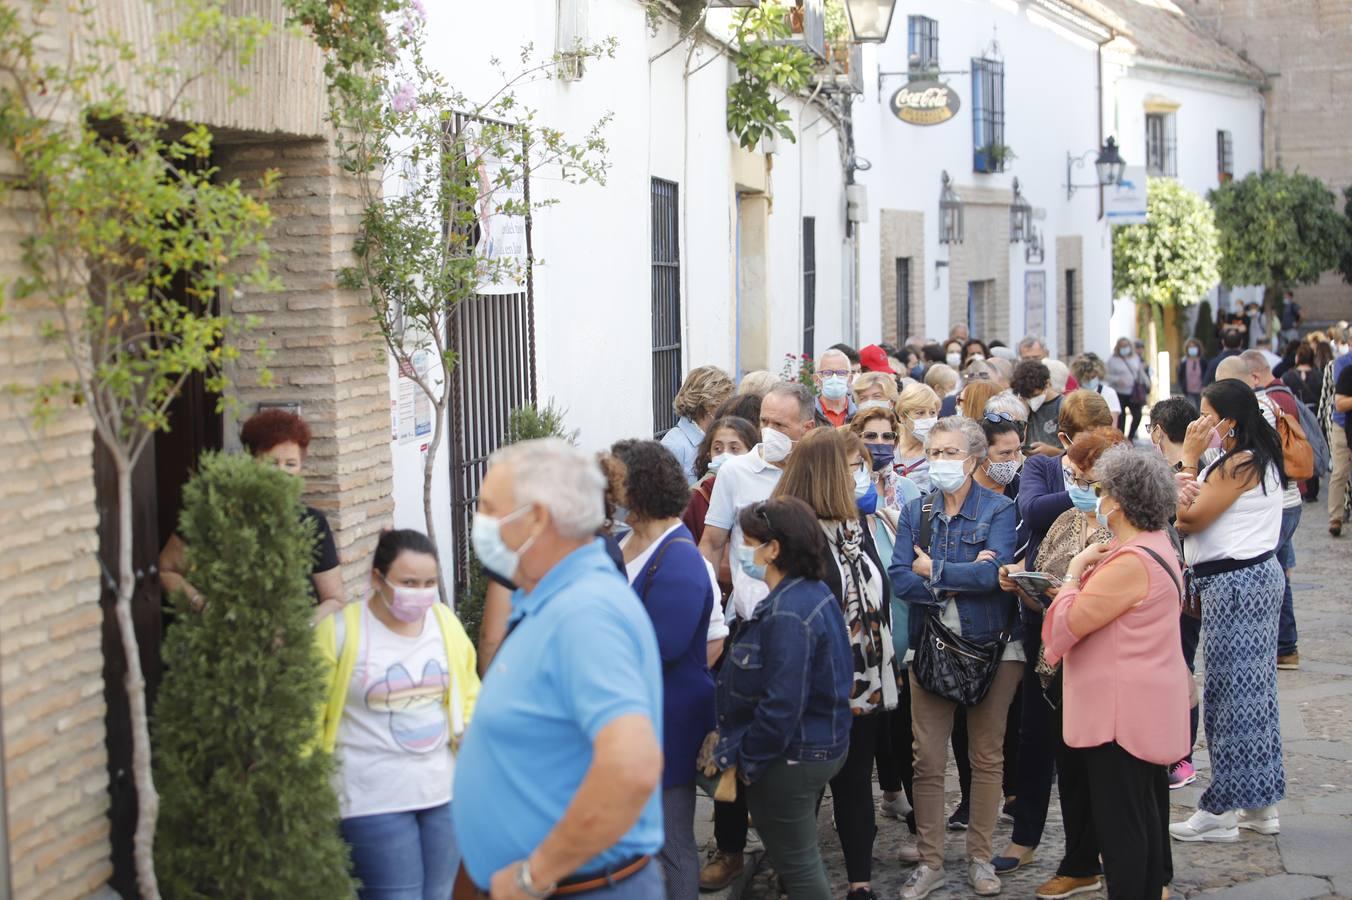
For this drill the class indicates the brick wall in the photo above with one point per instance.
(982, 256)
(1306, 45)
(902, 237)
(51, 664)
(327, 355)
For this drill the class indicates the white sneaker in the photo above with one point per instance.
(1205, 826)
(981, 875)
(1263, 821)
(894, 809)
(909, 854)
(923, 882)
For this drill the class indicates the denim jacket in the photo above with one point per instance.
(987, 521)
(784, 686)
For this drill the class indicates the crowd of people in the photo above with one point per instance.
(955, 550)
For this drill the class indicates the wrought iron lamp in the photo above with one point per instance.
(870, 20)
(1109, 166)
(950, 213)
(1020, 217)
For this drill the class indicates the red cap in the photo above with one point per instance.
(874, 359)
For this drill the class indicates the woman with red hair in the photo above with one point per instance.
(283, 438)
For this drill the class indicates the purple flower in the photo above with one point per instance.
(420, 8)
(404, 98)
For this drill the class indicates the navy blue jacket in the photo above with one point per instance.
(679, 599)
(784, 685)
(1042, 497)
(987, 521)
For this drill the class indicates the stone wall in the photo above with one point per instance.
(902, 237)
(983, 255)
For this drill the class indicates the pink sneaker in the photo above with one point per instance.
(1181, 774)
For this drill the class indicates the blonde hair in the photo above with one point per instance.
(701, 393)
(866, 380)
(758, 383)
(915, 397)
(941, 376)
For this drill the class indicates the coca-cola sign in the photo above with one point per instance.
(925, 103)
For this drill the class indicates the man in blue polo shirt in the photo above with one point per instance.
(557, 783)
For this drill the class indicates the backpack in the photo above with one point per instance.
(1310, 433)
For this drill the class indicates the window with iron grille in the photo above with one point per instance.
(1072, 313)
(1225, 157)
(809, 285)
(903, 299)
(666, 303)
(922, 45)
(1161, 155)
(989, 153)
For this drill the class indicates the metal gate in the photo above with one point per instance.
(493, 337)
(666, 303)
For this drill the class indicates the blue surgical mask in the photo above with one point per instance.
(1084, 498)
(717, 462)
(1124, 351)
(868, 503)
(948, 475)
(493, 552)
(1098, 513)
(882, 454)
(835, 387)
(746, 561)
(1093, 384)
(1193, 351)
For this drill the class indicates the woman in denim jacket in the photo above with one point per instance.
(972, 533)
(784, 690)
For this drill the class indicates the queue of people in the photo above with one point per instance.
(802, 590)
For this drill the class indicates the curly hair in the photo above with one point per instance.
(271, 427)
(747, 432)
(1141, 482)
(1087, 366)
(703, 390)
(654, 485)
(1030, 378)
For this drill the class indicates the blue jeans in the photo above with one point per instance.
(404, 856)
(1286, 556)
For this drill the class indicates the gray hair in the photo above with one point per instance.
(562, 479)
(1256, 362)
(1142, 482)
(1030, 342)
(758, 382)
(1233, 367)
(832, 351)
(1006, 402)
(968, 428)
(807, 403)
(1059, 372)
(941, 375)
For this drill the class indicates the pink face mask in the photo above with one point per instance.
(411, 604)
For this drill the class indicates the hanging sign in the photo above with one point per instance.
(1126, 200)
(925, 103)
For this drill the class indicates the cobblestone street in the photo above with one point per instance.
(1311, 858)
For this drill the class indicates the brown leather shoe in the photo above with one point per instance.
(1288, 661)
(1065, 886)
(721, 869)
(1335, 527)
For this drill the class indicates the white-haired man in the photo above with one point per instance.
(834, 376)
(557, 783)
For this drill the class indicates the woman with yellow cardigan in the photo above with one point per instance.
(402, 685)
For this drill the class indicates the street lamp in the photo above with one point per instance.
(1109, 166)
(870, 19)
(950, 213)
(1020, 217)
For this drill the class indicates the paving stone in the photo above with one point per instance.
(1315, 844)
(1285, 887)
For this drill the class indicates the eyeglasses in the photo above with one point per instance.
(950, 453)
(873, 437)
(1081, 483)
(827, 373)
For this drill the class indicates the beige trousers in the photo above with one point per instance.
(1342, 468)
(932, 723)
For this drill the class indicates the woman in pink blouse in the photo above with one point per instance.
(1115, 624)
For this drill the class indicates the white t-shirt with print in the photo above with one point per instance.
(393, 752)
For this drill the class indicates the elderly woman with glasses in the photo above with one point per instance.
(953, 584)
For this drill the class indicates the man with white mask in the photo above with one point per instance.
(834, 376)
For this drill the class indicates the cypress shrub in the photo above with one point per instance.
(248, 809)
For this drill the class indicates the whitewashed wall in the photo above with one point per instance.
(593, 249)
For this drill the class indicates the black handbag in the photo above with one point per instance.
(949, 665)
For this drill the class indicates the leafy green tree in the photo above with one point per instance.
(1278, 229)
(1172, 259)
(249, 810)
(121, 208)
(1345, 262)
(768, 70)
(454, 169)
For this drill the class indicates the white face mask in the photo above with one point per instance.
(953, 359)
(922, 427)
(1035, 403)
(775, 445)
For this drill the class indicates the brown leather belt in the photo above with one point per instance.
(596, 882)
(465, 889)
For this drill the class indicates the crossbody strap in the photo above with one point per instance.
(1165, 566)
(657, 561)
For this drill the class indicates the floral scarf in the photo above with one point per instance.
(875, 676)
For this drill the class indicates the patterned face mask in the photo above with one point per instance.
(1002, 473)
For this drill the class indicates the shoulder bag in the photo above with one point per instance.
(949, 665)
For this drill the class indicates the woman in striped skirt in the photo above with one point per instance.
(1231, 528)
